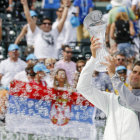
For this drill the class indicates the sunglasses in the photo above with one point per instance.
(34, 16)
(120, 59)
(47, 23)
(121, 71)
(60, 10)
(50, 64)
(68, 51)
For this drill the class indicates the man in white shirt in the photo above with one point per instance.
(45, 39)
(120, 118)
(11, 66)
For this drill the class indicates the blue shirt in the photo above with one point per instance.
(51, 4)
(84, 6)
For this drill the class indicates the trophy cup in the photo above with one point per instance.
(97, 27)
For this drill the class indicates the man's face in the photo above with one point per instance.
(135, 78)
(67, 53)
(80, 66)
(14, 54)
(121, 60)
(46, 25)
(41, 74)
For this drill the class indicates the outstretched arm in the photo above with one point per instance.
(64, 16)
(28, 16)
(112, 31)
(98, 98)
(21, 35)
(0, 29)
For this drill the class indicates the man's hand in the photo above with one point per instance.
(23, 2)
(66, 3)
(110, 63)
(94, 46)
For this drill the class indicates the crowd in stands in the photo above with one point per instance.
(49, 61)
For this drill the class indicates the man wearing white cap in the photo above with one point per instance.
(123, 117)
(11, 66)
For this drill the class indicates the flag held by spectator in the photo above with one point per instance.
(37, 110)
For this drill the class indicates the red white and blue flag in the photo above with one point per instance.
(35, 109)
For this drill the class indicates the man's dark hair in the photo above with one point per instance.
(65, 46)
(46, 18)
(120, 53)
(137, 63)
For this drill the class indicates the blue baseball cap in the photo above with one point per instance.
(121, 9)
(13, 47)
(33, 13)
(40, 67)
(109, 7)
(121, 69)
(31, 57)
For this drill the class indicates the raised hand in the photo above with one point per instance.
(23, 2)
(110, 64)
(94, 46)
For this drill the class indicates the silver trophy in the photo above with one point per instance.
(97, 27)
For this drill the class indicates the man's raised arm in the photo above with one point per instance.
(98, 98)
(64, 16)
(28, 16)
(132, 100)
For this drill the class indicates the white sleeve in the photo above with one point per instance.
(134, 2)
(2, 71)
(98, 98)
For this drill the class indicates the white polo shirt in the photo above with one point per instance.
(45, 43)
(9, 69)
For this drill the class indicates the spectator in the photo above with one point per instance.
(12, 4)
(121, 31)
(0, 29)
(66, 64)
(106, 16)
(60, 80)
(79, 66)
(11, 66)
(83, 8)
(49, 63)
(121, 59)
(127, 3)
(116, 4)
(122, 72)
(28, 74)
(60, 39)
(135, 7)
(44, 41)
(40, 71)
(70, 29)
(27, 31)
(50, 7)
